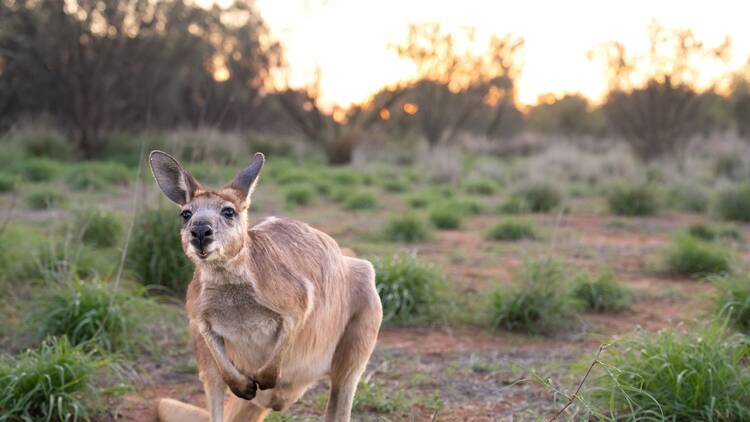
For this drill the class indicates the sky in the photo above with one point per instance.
(348, 40)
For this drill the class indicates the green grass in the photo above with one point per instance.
(298, 195)
(44, 198)
(632, 200)
(513, 205)
(409, 289)
(7, 183)
(39, 169)
(512, 230)
(704, 231)
(446, 216)
(689, 256)
(480, 186)
(733, 299)
(419, 200)
(538, 302)
(540, 197)
(155, 255)
(53, 382)
(90, 313)
(689, 197)
(734, 203)
(697, 375)
(600, 292)
(98, 227)
(407, 228)
(395, 185)
(361, 201)
(47, 144)
(377, 398)
(97, 176)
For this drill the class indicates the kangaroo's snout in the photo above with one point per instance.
(201, 235)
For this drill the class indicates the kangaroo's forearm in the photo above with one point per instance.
(215, 345)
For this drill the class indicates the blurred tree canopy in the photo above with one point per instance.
(98, 65)
(659, 114)
(568, 115)
(456, 84)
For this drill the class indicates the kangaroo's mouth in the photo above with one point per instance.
(203, 254)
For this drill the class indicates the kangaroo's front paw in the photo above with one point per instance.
(246, 391)
(266, 379)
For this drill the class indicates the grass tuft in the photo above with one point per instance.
(733, 299)
(689, 256)
(540, 197)
(361, 201)
(632, 200)
(298, 195)
(407, 228)
(537, 303)
(50, 383)
(698, 375)
(446, 216)
(734, 203)
(409, 289)
(44, 198)
(600, 293)
(512, 230)
(98, 228)
(155, 255)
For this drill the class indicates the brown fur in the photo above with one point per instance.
(271, 308)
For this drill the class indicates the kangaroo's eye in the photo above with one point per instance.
(186, 214)
(228, 212)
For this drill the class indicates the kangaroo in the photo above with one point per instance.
(272, 307)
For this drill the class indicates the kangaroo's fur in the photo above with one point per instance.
(272, 307)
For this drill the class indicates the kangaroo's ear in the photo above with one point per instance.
(176, 183)
(245, 182)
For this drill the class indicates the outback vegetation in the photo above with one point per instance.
(509, 243)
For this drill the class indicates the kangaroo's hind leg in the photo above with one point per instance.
(356, 344)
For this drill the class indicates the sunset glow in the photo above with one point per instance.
(349, 40)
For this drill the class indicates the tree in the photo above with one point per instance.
(339, 131)
(653, 100)
(98, 65)
(454, 83)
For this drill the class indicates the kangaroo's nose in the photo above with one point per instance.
(201, 234)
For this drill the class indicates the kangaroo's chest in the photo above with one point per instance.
(249, 329)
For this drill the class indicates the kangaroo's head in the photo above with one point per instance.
(214, 222)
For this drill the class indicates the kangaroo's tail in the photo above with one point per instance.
(169, 410)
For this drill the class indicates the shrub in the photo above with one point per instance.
(600, 293)
(409, 289)
(512, 230)
(97, 176)
(470, 207)
(98, 228)
(513, 205)
(689, 256)
(408, 228)
(361, 201)
(39, 169)
(689, 198)
(7, 183)
(540, 197)
(709, 232)
(480, 186)
(671, 376)
(298, 195)
(155, 254)
(43, 198)
(49, 383)
(733, 299)
(394, 185)
(734, 203)
(446, 216)
(419, 200)
(632, 200)
(47, 144)
(538, 302)
(88, 313)
(344, 177)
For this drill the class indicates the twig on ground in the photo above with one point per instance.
(580, 385)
